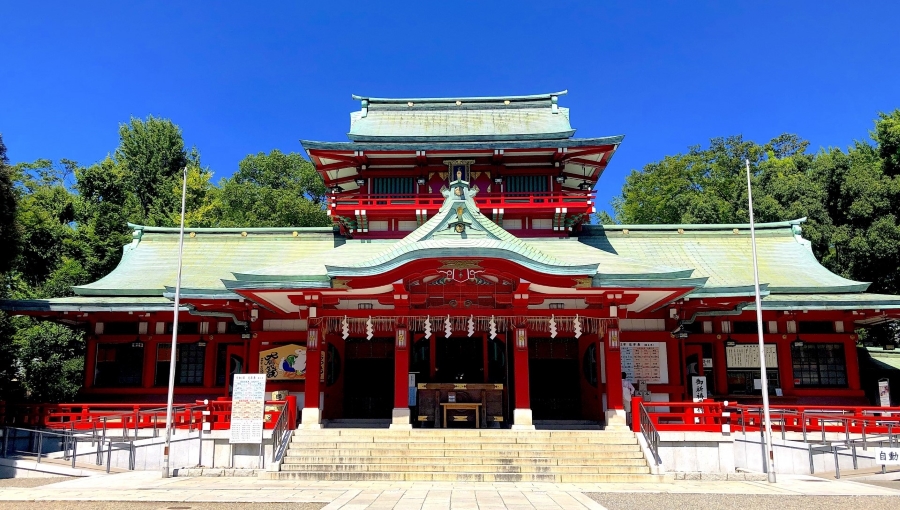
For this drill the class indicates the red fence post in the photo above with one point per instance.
(636, 413)
(290, 405)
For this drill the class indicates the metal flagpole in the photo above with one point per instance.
(770, 460)
(173, 350)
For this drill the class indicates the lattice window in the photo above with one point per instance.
(819, 365)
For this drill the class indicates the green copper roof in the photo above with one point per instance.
(91, 304)
(849, 301)
(461, 145)
(460, 119)
(786, 263)
(149, 264)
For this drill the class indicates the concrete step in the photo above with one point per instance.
(606, 439)
(634, 452)
(472, 448)
(489, 461)
(567, 425)
(464, 432)
(463, 477)
(467, 468)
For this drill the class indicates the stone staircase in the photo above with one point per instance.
(455, 455)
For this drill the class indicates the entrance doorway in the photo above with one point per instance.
(368, 378)
(459, 360)
(553, 369)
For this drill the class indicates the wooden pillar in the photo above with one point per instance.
(312, 414)
(615, 412)
(522, 417)
(852, 360)
(90, 361)
(400, 416)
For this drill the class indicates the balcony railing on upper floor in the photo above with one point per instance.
(432, 202)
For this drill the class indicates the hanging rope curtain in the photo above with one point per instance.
(460, 324)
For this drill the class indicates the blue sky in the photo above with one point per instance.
(245, 77)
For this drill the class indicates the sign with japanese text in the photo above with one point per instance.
(645, 362)
(247, 406)
(887, 456)
(884, 393)
(698, 388)
(747, 356)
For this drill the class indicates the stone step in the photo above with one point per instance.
(466, 468)
(488, 461)
(464, 432)
(463, 477)
(620, 439)
(632, 452)
(472, 447)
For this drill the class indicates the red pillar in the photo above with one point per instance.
(400, 416)
(522, 418)
(311, 391)
(311, 414)
(615, 412)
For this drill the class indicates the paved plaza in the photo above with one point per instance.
(145, 488)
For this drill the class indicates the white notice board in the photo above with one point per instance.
(645, 362)
(247, 407)
(747, 356)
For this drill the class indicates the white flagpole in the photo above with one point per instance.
(173, 350)
(770, 454)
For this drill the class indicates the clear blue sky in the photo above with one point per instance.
(244, 77)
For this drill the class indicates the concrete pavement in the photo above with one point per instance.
(142, 486)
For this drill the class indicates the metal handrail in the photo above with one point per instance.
(281, 434)
(650, 433)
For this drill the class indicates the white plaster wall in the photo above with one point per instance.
(792, 457)
(697, 452)
(185, 452)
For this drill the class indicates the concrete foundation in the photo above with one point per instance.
(400, 419)
(522, 419)
(311, 418)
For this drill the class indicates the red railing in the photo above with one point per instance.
(88, 416)
(711, 416)
(490, 200)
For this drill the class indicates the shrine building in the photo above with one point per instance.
(462, 268)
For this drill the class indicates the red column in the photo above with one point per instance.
(520, 367)
(400, 415)
(401, 369)
(613, 378)
(90, 359)
(311, 390)
(522, 417)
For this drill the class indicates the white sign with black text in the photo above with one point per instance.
(887, 456)
(248, 404)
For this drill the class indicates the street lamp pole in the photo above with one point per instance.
(770, 453)
(173, 350)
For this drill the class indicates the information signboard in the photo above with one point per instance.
(645, 362)
(247, 405)
(747, 356)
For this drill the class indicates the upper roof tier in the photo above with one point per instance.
(503, 118)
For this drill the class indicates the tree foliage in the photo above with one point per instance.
(851, 197)
(272, 190)
(63, 225)
(9, 232)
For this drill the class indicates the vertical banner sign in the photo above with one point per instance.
(412, 389)
(698, 392)
(884, 393)
(247, 406)
(698, 388)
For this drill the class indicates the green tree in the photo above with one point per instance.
(272, 190)
(9, 232)
(51, 360)
(152, 154)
